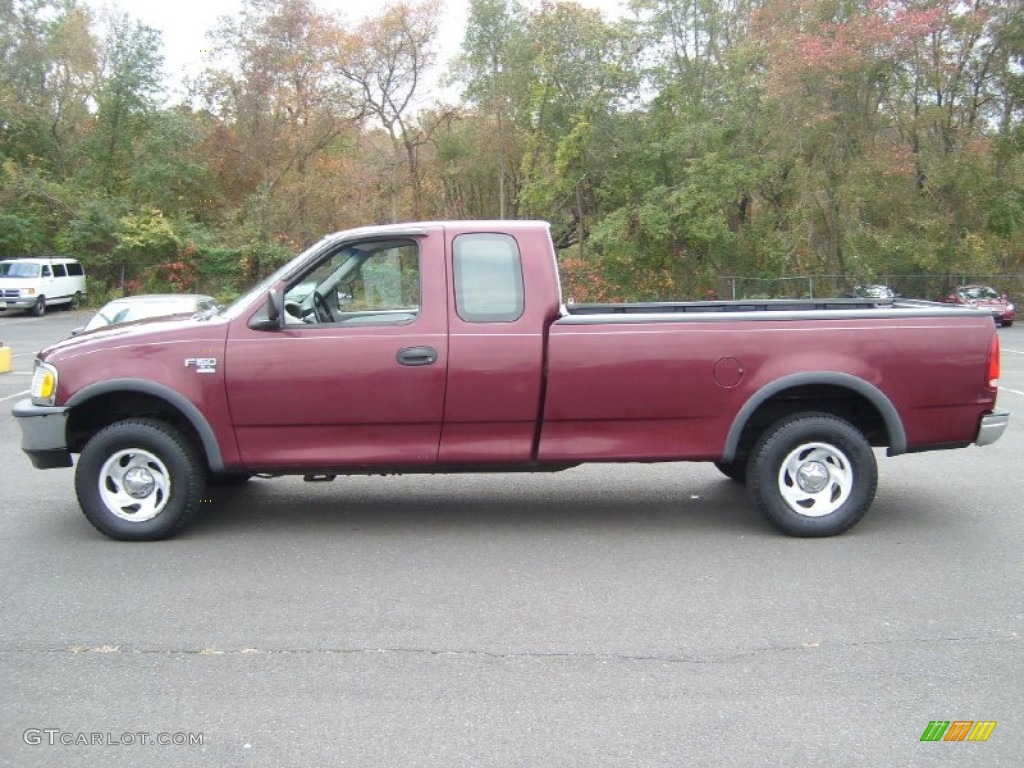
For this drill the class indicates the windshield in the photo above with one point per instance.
(18, 269)
(127, 311)
(979, 293)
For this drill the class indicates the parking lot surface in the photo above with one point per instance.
(606, 616)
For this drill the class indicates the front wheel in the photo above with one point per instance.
(734, 470)
(812, 474)
(139, 480)
(39, 308)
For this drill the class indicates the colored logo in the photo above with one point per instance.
(958, 730)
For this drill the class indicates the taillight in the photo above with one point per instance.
(993, 361)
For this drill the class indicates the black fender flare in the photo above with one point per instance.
(185, 406)
(893, 423)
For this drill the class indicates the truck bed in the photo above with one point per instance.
(751, 309)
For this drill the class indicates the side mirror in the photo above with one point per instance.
(275, 313)
(275, 307)
(78, 330)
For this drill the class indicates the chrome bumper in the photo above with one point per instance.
(992, 426)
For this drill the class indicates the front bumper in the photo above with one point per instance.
(992, 426)
(24, 302)
(43, 434)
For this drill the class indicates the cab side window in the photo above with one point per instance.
(488, 278)
(46, 271)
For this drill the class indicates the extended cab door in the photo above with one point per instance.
(356, 376)
(496, 347)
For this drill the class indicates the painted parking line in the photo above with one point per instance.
(16, 394)
(1014, 391)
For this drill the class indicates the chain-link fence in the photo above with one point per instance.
(825, 286)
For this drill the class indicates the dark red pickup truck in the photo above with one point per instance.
(446, 347)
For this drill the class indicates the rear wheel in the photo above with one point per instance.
(76, 300)
(139, 480)
(812, 474)
(39, 308)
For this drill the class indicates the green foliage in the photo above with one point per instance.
(688, 143)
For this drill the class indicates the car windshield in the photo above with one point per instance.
(979, 293)
(127, 311)
(18, 269)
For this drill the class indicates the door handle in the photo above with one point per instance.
(417, 356)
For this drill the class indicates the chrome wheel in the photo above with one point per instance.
(812, 474)
(134, 485)
(815, 479)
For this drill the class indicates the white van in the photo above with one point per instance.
(35, 284)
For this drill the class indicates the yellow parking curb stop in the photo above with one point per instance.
(5, 358)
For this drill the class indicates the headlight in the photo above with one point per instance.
(44, 384)
(1009, 306)
(28, 291)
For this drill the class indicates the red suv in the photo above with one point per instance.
(984, 297)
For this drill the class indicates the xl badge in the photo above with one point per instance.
(202, 364)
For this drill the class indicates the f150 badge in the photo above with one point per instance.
(202, 364)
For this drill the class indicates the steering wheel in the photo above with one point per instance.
(323, 312)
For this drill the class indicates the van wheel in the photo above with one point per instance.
(139, 480)
(812, 474)
(39, 308)
(76, 300)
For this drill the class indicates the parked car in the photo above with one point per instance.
(145, 306)
(872, 292)
(984, 297)
(35, 284)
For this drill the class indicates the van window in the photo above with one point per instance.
(19, 269)
(488, 279)
(59, 271)
(46, 271)
(75, 269)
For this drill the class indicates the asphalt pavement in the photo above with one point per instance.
(606, 616)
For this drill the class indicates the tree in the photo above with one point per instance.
(277, 106)
(127, 96)
(495, 67)
(386, 58)
(47, 81)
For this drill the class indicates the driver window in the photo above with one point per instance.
(370, 283)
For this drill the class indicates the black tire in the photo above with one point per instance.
(169, 486)
(39, 308)
(1008, 323)
(812, 474)
(76, 301)
(734, 470)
